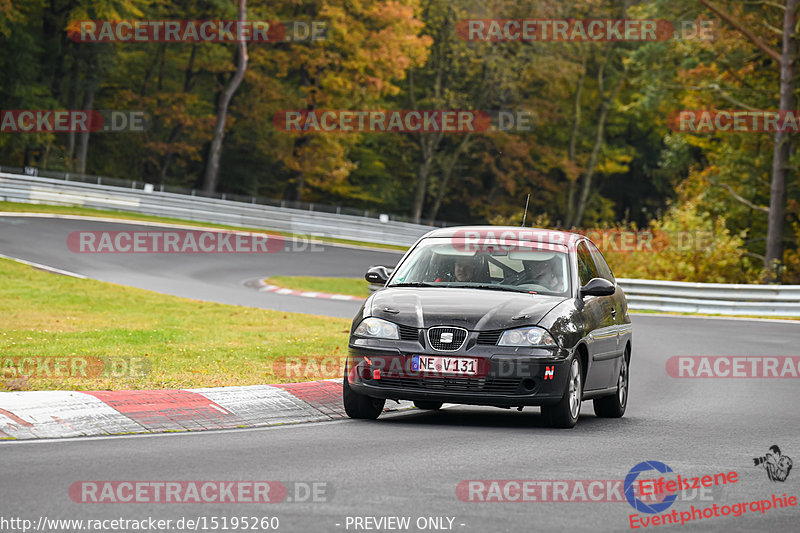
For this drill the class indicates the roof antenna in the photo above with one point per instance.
(525, 214)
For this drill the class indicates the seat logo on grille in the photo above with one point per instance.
(446, 338)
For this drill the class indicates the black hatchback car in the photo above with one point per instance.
(498, 316)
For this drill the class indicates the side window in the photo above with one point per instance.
(586, 267)
(602, 265)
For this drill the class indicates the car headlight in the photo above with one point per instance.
(533, 336)
(377, 328)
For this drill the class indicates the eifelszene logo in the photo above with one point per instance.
(630, 485)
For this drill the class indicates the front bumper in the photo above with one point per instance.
(507, 377)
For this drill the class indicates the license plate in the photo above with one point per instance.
(445, 365)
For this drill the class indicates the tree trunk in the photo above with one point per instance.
(586, 186)
(74, 90)
(297, 178)
(427, 143)
(83, 139)
(157, 59)
(173, 136)
(215, 149)
(573, 138)
(296, 184)
(782, 151)
(447, 172)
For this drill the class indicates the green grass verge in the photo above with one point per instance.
(350, 286)
(183, 342)
(16, 207)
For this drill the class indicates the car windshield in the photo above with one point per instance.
(515, 267)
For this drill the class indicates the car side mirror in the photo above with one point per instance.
(598, 287)
(377, 274)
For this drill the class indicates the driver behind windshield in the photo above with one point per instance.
(465, 269)
(543, 272)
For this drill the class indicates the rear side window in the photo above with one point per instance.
(586, 267)
(602, 267)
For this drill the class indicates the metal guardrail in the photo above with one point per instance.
(35, 189)
(665, 296)
(712, 298)
(236, 197)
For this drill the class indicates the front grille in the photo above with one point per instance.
(437, 335)
(408, 333)
(489, 337)
(453, 384)
(495, 386)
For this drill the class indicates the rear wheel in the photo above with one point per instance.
(614, 406)
(565, 413)
(428, 404)
(359, 406)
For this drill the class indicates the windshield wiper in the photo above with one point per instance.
(493, 288)
(414, 284)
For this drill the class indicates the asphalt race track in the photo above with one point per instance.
(410, 464)
(213, 277)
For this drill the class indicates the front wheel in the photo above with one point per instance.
(614, 406)
(565, 413)
(359, 406)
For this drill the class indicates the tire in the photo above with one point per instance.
(566, 412)
(614, 406)
(428, 405)
(359, 406)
